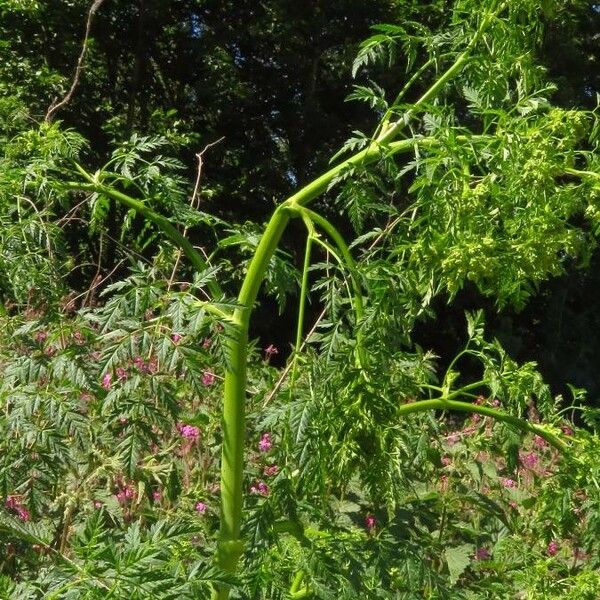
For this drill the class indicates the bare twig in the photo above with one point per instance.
(56, 105)
(193, 204)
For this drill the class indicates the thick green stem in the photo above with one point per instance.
(444, 404)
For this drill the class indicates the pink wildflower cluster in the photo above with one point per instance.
(271, 470)
(208, 378)
(200, 508)
(13, 503)
(529, 460)
(265, 443)
(552, 548)
(41, 336)
(107, 381)
(190, 432)
(125, 493)
(508, 483)
(142, 366)
(260, 488)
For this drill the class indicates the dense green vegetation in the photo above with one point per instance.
(197, 405)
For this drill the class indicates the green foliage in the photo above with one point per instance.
(111, 410)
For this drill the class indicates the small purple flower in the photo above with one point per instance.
(156, 495)
(508, 483)
(265, 443)
(121, 373)
(200, 508)
(482, 554)
(208, 378)
(552, 548)
(107, 381)
(446, 460)
(540, 442)
(176, 338)
(370, 522)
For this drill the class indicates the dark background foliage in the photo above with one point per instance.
(271, 78)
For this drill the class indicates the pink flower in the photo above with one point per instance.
(271, 350)
(107, 381)
(482, 554)
(156, 495)
(265, 443)
(453, 438)
(495, 403)
(529, 460)
(271, 470)
(23, 513)
(121, 373)
(446, 461)
(138, 361)
(125, 493)
(41, 336)
(176, 337)
(540, 442)
(566, 430)
(508, 483)
(206, 343)
(370, 522)
(552, 548)
(208, 378)
(260, 488)
(480, 400)
(200, 507)
(12, 502)
(97, 504)
(189, 431)
(78, 337)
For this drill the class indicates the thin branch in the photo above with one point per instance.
(55, 106)
(193, 204)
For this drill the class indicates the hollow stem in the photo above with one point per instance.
(456, 405)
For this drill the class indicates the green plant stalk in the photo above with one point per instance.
(303, 300)
(230, 546)
(159, 220)
(445, 404)
(347, 259)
